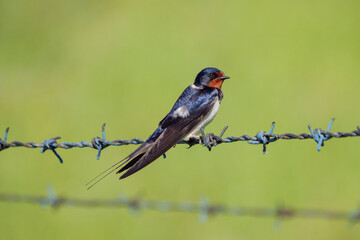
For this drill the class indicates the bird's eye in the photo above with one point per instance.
(212, 75)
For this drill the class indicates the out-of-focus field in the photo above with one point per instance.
(68, 66)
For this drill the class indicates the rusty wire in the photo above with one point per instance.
(263, 138)
(204, 208)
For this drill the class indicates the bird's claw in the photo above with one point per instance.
(209, 140)
(193, 141)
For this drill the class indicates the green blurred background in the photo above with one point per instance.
(68, 66)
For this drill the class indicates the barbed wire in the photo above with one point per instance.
(204, 208)
(318, 135)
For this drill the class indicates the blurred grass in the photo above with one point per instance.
(66, 67)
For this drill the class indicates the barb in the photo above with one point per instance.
(264, 139)
(211, 140)
(100, 143)
(51, 144)
(320, 136)
(204, 209)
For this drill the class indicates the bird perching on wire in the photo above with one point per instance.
(192, 112)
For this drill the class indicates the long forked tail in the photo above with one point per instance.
(134, 156)
(105, 173)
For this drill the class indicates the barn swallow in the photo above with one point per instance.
(192, 112)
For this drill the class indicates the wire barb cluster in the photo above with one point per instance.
(211, 140)
(204, 208)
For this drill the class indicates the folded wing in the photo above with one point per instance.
(171, 130)
(174, 129)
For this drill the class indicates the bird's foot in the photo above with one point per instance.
(210, 140)
(193, 140)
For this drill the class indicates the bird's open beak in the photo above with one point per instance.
(224, 77)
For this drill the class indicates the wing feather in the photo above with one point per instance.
(171, 130)
(170, 136)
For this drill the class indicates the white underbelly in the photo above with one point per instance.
(207, 119)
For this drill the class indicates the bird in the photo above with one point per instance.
(192, 112)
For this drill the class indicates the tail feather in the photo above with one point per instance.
(129, 161)
(162, 144)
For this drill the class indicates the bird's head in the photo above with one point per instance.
(210, 77)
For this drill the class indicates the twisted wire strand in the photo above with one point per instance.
(204, 208)
(263, 138)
